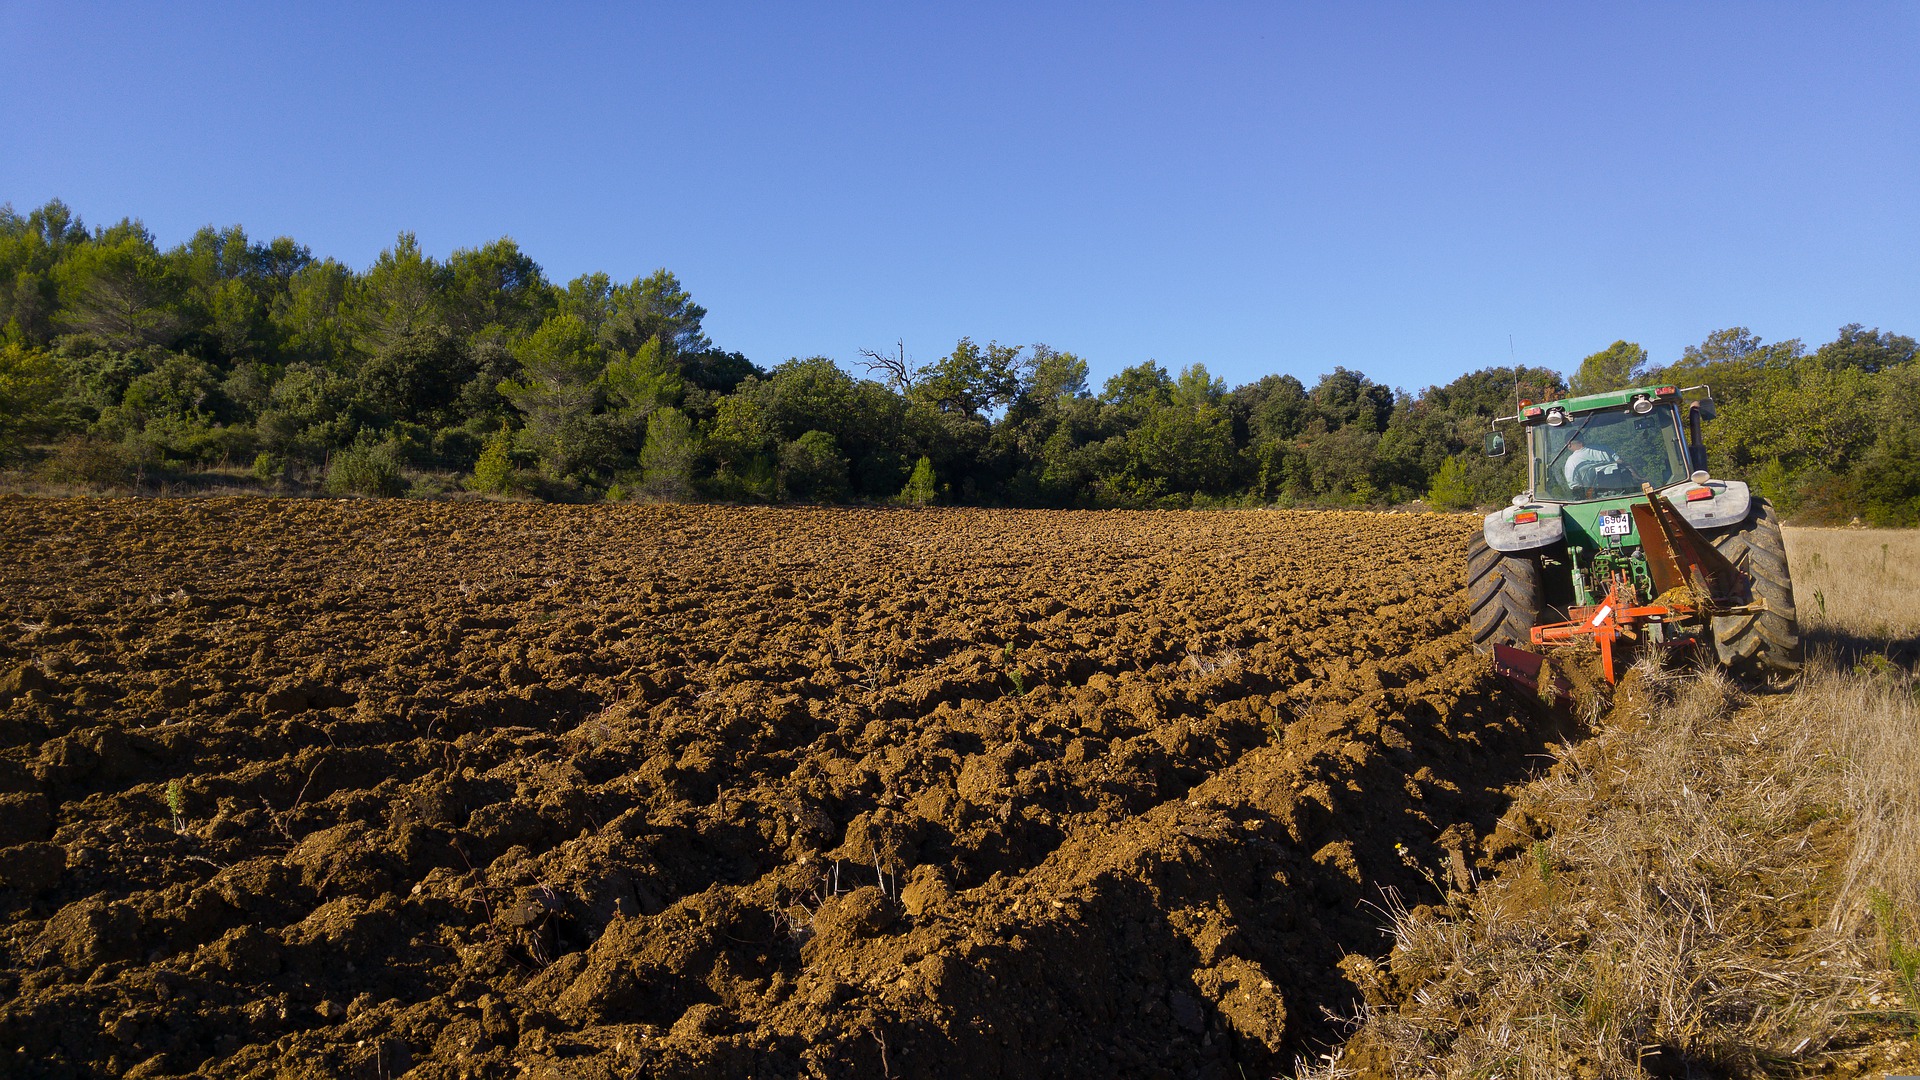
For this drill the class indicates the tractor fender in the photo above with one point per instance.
(1728, 506)
(1504, 534)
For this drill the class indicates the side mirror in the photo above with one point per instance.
(1707, 411)
(1496, 444)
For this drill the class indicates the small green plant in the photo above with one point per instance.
(1876, 665)
(1820, 598)
(1014, 675)
(1903, 958)
(177, 803)
(268, 468)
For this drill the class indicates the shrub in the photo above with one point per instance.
(86, 459)
(494, 473)
(365, 468)
(268, 468)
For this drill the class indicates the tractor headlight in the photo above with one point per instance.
(1556, 416)
(1642, 404)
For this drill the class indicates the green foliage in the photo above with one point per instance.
(644, 381)
(365, 468)
(120, 360)
(1616, 367)
(29, 385)
(1016, 677)
(667, 459)
(1890, 478)
(971, 380)
(812, 468)
(493, 473)
(559, 394)
(1450, 490)
(920, 489)
(308, 413)
(1179, 447)
(268, 468)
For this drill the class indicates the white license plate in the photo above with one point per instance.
(1617, 523)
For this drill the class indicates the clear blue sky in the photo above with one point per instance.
(1263, 187)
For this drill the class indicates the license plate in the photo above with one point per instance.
(1616, 523)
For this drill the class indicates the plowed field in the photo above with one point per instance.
(300, 788)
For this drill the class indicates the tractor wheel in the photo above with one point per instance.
(1767, 642)
(1504, 599)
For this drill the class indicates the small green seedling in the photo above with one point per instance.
(176, 803)
(1014, 675)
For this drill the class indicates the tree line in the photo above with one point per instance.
(225, 359)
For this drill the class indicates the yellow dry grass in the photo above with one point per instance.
(1724, 879)
(1860, 582)
(1859, 594)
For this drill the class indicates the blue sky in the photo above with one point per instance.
(1396, 188)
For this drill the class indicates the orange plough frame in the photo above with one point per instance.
(1691, 579)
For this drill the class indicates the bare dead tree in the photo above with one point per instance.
(901, 372)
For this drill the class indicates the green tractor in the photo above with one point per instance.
(1623, 545)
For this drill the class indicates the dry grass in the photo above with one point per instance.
(1864, 583)
(1718, 882)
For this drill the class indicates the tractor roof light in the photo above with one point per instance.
(1699, 476)
(1667, 391)
(1556, 416)
(1532, 412)
(1642, 404)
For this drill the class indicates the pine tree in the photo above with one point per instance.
(919, 490)
(1449, 490)
(667, 457)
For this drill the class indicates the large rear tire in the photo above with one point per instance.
(1767, 642)
(1504, 599)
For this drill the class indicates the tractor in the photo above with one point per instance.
(1623, 545)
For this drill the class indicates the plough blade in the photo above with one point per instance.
(1679, 554)
(1529, 671)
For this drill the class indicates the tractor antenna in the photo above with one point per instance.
(1515, 357)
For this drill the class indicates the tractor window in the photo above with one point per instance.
(1603, 454)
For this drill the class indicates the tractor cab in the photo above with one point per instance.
(1604, 446)
(1607, 453)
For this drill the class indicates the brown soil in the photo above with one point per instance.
(675, 792)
